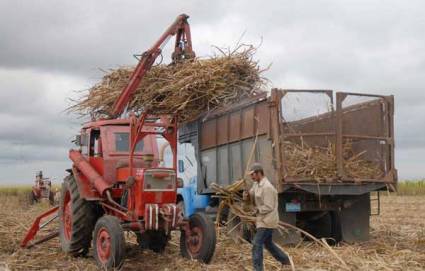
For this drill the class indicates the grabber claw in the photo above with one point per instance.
(32, 232)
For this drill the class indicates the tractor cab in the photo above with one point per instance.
(106, 144)
(125, 160)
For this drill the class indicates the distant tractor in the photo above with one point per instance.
(42, 189)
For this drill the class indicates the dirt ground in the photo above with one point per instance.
(397, 243)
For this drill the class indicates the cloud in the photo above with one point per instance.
(51, 48)
(35, 132)
(79, 37)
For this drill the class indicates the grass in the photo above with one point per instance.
(14, 190)
(411, 188)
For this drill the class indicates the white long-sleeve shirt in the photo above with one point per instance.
(264, 196)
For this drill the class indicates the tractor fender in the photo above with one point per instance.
(192, 200)
(185, 194)
(85, 189)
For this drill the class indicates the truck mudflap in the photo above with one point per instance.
(354, 220)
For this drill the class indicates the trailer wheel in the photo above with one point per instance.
(153, 240)
(109, 243)
(32, 198)
(326, 226)
(77, 219)
(200, 244)
(51, 198)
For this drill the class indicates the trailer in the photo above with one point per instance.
(336, 206)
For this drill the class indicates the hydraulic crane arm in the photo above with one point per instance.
(182, 50)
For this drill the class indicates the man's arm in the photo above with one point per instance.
(249, 195)
(268, 200)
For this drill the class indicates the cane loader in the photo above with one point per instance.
(118, 184)
(42, 189)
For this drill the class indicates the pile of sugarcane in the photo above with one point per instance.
(231, 198)
(188, 88)
(319, 163)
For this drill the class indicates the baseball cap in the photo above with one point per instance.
(255, 167)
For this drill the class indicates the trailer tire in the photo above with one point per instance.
(77, 219)
(327, 226)
(336, 230)
(32, 198)
(201, 244)
(51, 198)
(109, 243)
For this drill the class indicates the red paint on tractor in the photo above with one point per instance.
(84, 166)
(67, 216)
(103, 245)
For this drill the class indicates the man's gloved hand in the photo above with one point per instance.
(245, 195)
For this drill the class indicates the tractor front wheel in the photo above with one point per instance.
(200, 242)
(109, 243)
(77, 219)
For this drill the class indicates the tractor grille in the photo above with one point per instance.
(159, 180)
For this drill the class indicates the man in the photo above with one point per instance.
(264, 196)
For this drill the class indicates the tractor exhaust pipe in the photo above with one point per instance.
(95, 179)
(84, 166)
(113, 202)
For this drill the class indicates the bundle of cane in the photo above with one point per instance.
(188, 88)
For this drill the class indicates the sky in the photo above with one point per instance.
(51, 50)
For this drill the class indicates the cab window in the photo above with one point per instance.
(84, 141)
(122, 143)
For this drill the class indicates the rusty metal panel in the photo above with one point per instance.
(364, 119)
(319, 124)
(247, 145)
(222, 129)
(208, 134)
(235, 124)
(265, 157)
(209, 166)
(248, 122)
(365, 124)
(307, 123)
(235, 161)
(223, 165)
(262, 114)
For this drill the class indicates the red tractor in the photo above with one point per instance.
(42, 189)
(117, 183)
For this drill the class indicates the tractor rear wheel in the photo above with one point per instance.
(109, 243)
(77, 219)
(51, 198)
(200, 244)
(32, 198)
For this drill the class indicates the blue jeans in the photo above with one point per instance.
(263, 237)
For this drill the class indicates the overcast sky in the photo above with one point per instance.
(49, 49)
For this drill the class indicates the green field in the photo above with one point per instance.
(14, 190)
(411, 188)
(405, 188)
